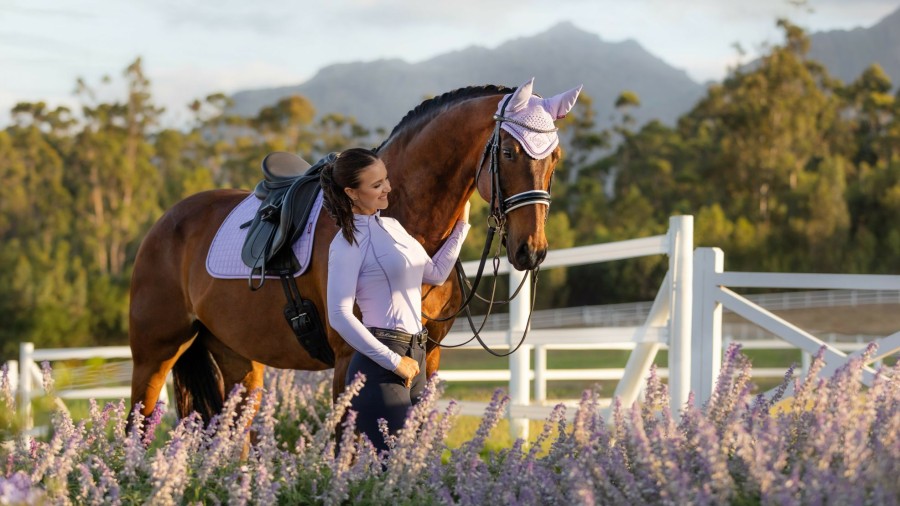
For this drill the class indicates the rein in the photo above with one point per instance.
(499, 207)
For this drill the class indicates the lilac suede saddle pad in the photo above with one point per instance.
(224, 258)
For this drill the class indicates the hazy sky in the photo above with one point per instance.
(192, 48)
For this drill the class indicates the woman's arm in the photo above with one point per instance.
(438, 267)
(344, 263)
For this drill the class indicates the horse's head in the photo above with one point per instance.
(520, 159)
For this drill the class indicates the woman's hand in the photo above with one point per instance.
(408, 369)
(464, 217)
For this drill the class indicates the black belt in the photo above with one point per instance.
(419, 338)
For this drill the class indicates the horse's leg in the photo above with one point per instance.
(338, 384)
(236, 370)
(149, 376)
(156, 345)
(432, 360)
(161, 324)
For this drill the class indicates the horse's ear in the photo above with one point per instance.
(520, 98)
(560, 105)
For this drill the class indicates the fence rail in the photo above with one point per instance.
(635, 313)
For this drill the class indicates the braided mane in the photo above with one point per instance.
(429, 108)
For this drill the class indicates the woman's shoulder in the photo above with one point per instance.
(340, 243)
(393, 224)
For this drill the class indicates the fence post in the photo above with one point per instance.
(26, 351)
(681, 265)
(519, 365)
(707, 350)
(540, 373)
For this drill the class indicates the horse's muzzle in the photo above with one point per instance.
(527, 257)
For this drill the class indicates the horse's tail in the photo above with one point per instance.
(198, 383)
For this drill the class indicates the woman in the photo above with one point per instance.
(376, 263)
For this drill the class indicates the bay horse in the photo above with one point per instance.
(216, 333)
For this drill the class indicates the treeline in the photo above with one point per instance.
(784, 167)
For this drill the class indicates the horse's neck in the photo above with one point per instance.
(433, 169)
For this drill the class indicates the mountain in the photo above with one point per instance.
(379, 93)
(847, 53)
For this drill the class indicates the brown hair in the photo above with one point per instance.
(343, 172)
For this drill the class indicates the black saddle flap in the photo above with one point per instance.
(281, 217)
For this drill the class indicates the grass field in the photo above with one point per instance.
(580, 359)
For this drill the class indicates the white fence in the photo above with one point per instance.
(567, 339)
(712, 292)
(92, 382)
(668, 323)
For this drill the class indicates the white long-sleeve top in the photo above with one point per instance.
(383, 272)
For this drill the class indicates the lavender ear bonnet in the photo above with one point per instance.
(530, 119)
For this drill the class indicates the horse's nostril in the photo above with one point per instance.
(528, 258)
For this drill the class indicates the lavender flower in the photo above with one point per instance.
(171, 466)
(338, 489)
(133, 444)
(239, 487)
(6, 393)
(468, 470)
(18, 489)
(834, 443)
(100, 489)
(47, 377)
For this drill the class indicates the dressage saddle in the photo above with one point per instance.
(288, 191)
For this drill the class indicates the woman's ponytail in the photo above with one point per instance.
(337, 203)
(343, 172)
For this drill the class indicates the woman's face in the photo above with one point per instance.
(371, 195)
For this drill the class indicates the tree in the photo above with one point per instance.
(114, 180)
(763, 126)
(286, 125)
(872, 111)
(43, 287)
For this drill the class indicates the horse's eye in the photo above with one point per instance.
(507, 153)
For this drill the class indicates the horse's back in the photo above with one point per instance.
(180, 237)
(197, 212)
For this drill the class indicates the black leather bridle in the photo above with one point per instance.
(500, 207)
